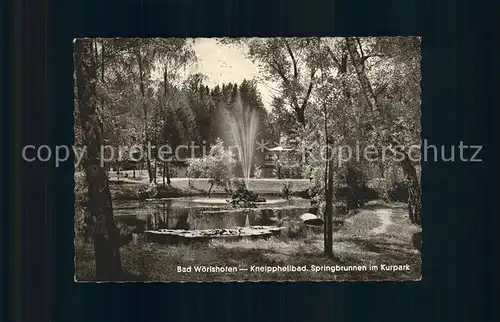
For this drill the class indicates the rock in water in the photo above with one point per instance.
(311, 219)
(260, 199)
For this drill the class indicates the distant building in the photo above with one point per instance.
(271, 160)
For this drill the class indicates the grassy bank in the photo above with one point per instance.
(354, 244)
(126, 188)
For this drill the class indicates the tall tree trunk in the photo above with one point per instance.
(329, 207)
(155, 140)
(414, 200)
(106, 234)
(163, 173)
(145, 109)
(325, 224)
(210, 190)
(327, 168)
(102, 61)
(167, 172)
(154, 170)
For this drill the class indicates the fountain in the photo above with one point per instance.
(244, 122)
(244, 216)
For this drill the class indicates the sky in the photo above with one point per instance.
(227, 63)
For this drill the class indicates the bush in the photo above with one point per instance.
(316, 175)
(288, 171)
(196, 168)
(349, 186)
(169, 192)
(245, 198)
(353, 188)
(286, 190)
(148, 191)
(125, 232)
(382, 188)
(399, 192)
(379, 189)
(173, 169)
(257, 172)
(216, 166)
(368, 193)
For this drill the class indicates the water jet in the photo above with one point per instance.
(244, 122)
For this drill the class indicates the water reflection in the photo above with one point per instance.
(182, 222)
(185, 214)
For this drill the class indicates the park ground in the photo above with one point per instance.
(200, 186)
(379, 234)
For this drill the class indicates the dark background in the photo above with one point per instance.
(459, 221)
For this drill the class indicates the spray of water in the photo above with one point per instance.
(244, 125)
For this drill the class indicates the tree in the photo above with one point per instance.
(200, 102)
(291, 62)
(106, 234)
(281, 120)
(116, 97)
(383, 129)
(179, 126)
(174, 54)
(333, 121)
(294, 63)
(132, 65)
(142, 63)
(216, 166)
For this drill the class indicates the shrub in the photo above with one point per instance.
(287, 166)
(379, 188)
(399, 192)
(352, 188)
(196, 168)
(368, 193)
(316, 175)
(382, 188)
(245, 198)
(257, 172)
(288, 171)
(286, 190)
(216, 166)
(147, 192)
(125, 232)
(349, 185)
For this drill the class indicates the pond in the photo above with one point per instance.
(204, 213)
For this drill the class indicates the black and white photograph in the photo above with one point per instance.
(247, 159)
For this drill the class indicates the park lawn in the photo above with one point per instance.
(354, 244)
(128, 186)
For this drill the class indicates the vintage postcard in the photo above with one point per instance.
(247, 159)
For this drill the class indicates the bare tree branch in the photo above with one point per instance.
(309, 89)
(279, 70)
(332, 55)
(294, 62)
(360, 47)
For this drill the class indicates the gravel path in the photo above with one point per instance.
(385, 218)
